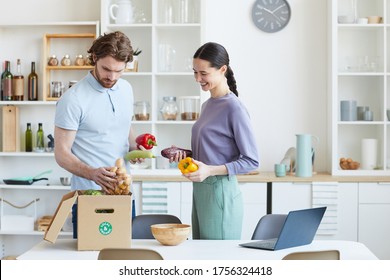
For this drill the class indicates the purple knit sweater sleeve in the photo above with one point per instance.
(223, 135)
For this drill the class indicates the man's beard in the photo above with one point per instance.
(106, 83)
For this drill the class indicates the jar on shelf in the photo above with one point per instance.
(189, 107)
(79, 60)
(169, 108)
(88, 60)
(141, 110)
(53, 61)
(65, 61)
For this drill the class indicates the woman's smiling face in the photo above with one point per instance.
(208, 77)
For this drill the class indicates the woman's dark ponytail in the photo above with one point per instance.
(231, 80)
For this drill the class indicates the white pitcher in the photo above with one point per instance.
(122, 12)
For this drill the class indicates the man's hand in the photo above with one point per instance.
(104, 178)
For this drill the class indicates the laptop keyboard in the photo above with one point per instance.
(267, 244)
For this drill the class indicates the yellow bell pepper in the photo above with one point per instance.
(187, 166)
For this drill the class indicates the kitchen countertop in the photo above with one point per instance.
(264, 177)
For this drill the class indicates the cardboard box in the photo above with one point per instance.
(103, 220)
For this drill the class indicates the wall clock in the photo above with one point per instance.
(271, 15)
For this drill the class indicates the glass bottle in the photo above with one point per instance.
(169, 12)
(6, 82)
(33, 84)
(184, 8)
(28, 138)
(1, 83)
(18, 83)
(169, 108)
(40, 139)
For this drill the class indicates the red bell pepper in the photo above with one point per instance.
(146, 140)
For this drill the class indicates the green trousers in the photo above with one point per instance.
(217, 208)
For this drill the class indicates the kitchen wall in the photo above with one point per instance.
(281, 77)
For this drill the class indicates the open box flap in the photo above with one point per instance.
(62, 212)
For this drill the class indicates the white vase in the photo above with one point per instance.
(133, 65)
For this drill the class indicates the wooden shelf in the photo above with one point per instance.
(47, 71)
(70, 35)
(72, 67)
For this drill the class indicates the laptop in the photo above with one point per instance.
(298, 229)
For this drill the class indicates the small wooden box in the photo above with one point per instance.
(10, 129)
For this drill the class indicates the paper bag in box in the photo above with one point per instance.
(103, 221)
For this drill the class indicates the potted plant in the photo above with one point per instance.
(133, 65)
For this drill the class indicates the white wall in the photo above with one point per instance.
(281, 77)
(49, 10)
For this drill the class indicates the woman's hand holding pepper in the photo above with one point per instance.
(205, 171)
(199, 175)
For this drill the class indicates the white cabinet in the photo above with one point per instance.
(374, 222)
(176, 198)
(255, 206)
(16, 203)
(165, 64)
(294, 196)
(186, 202)
(359, 71)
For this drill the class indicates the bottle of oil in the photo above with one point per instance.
(40, 139)
(18, 83)
(6, 82)
(28, 138)
(33, 84)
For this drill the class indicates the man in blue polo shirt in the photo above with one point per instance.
(93, 118)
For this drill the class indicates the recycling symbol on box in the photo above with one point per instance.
(105, 228)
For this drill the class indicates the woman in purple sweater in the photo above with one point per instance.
(223, 146)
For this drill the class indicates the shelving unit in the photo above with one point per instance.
(14, 40)
(47, 51)
(360, 70)
(155, 78)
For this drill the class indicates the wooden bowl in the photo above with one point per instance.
(170, 234)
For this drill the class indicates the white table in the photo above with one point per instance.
(66, 249)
